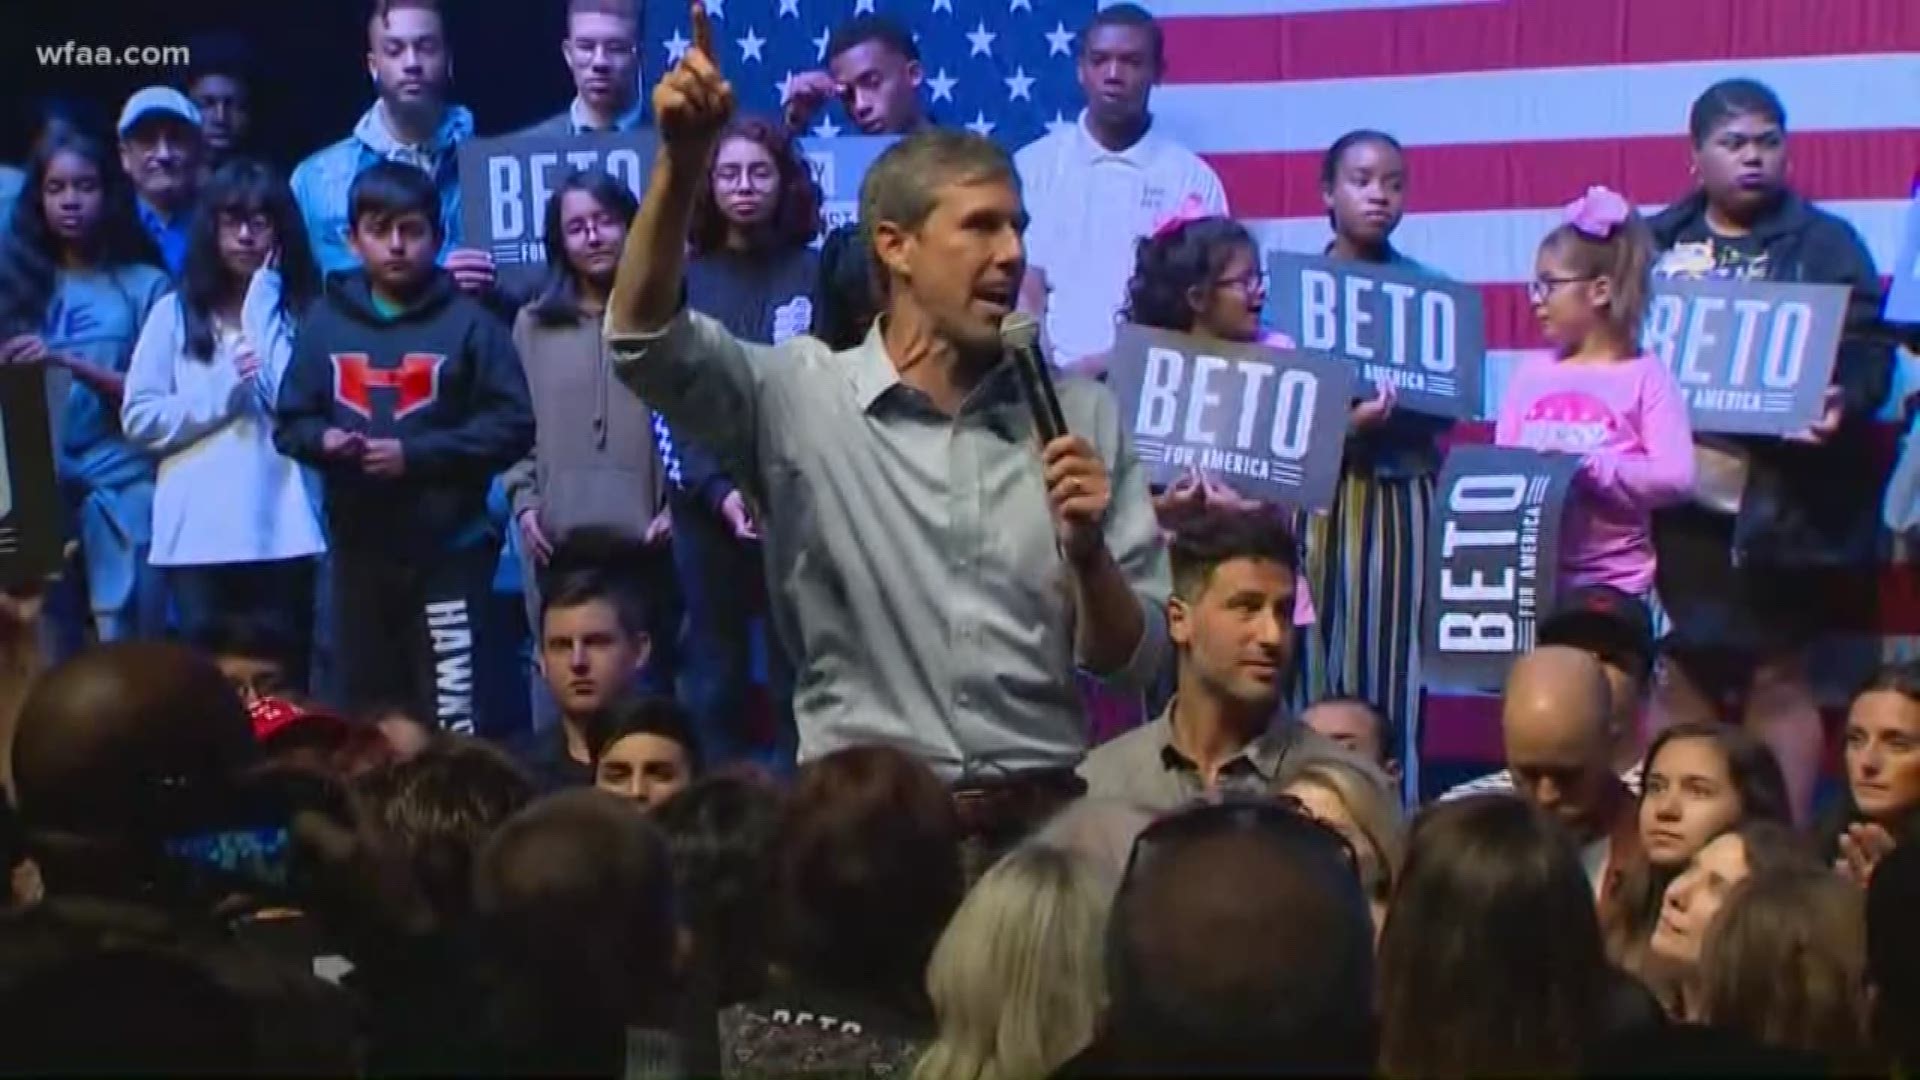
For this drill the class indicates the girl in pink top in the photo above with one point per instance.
(1597, 395)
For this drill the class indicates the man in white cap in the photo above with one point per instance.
(160, 148)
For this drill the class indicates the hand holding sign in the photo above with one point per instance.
(693, 101)
(1079, 492)
(1374, 411)
(1826, 425)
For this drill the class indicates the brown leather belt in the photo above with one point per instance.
(1014, 802)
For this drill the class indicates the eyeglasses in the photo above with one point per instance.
(1253, 283)
(1277, 816)
(1542, 287)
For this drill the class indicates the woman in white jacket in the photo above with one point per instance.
(234, 525)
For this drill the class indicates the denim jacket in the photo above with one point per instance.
(321, 182)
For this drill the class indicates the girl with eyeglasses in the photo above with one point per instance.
(1597, 395)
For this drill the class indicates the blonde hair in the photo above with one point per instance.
(1785, 963)
(1368, 796)
(1019, 978)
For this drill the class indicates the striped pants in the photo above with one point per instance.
(1365, 558)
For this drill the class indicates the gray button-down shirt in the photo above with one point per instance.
(1143, 766)
(911, 556)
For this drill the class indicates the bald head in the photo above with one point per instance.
(1554, 718)
(140, 738)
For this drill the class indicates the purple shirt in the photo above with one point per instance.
(1628, 422)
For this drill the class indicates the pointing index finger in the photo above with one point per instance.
(702, 30)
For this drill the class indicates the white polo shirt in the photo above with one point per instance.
(1089, 206)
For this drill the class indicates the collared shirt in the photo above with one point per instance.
(1144, 767)
(1090, 205)
(582, 122)
(169, 235)
(1501, 783)
(912, 555)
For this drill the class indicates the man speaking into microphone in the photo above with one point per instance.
(937, 572)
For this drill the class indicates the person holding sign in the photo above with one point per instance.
(1740, 569)
(1363, 556)
(1599, 396)
(938, 574)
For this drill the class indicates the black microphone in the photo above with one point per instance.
(1020, 338)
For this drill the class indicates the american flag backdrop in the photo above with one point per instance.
(1508, 108)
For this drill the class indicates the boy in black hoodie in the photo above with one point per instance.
(408, 397)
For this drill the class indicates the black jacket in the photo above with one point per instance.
(1812, 505)
(442, 377)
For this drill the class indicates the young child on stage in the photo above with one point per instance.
(1598, 395)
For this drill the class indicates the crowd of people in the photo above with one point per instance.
(1064, 773)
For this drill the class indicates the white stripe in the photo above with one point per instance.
(1498, 245)
(1825, 93)
(1179, 9)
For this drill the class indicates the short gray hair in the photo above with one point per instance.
(903, 185)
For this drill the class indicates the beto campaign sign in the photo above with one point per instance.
(1423, 334)
(839, 164)
(30, 533)
(1493, 555)
(505, 185)
(1752, 357)
(1272, 423)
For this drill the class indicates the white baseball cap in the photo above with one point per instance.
(156, 99)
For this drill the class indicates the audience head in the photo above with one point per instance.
(1491, 891)
(406, 734)
(941, 212)
(1122, 56)
(866, 872)
(1753, 848)
(74, 207)
(1102, 830)
(1785, 963)
(439, 807)
(1702, 779)
(393, 214)
(1592, 275)
(574, 896)
(1883, 749)
(760, 195)
(254, 655)
(1363, 180)
(1018, 979)
(1355, 724)
(1618, 630)
(220, 83)
(408, 58)
(877, 65)
(1893, 954)
(593, 640)
(1199, 276)
(1739, 131)
(161, 147)
(720, 832)
(587, 221)
(602, 51)
(1352, 797)
(1240, 942)
(123, 748)
(1231, 613)
(1554, 721)
(642, 749)
(245, 218)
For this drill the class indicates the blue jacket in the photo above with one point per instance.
(321, 182)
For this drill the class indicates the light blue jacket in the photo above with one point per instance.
(321, 183)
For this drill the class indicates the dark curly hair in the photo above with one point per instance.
(1167, 266)
(796, 217)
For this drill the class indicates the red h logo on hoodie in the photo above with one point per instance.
(415, 382)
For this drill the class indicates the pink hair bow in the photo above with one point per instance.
(1190, 210)
(1597, 213)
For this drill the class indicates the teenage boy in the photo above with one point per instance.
(407, 396)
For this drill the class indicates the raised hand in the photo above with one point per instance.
(693, 101)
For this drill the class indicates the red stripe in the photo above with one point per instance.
(1501, 176)
(1528, 34)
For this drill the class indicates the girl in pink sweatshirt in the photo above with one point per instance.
(1596, 394)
